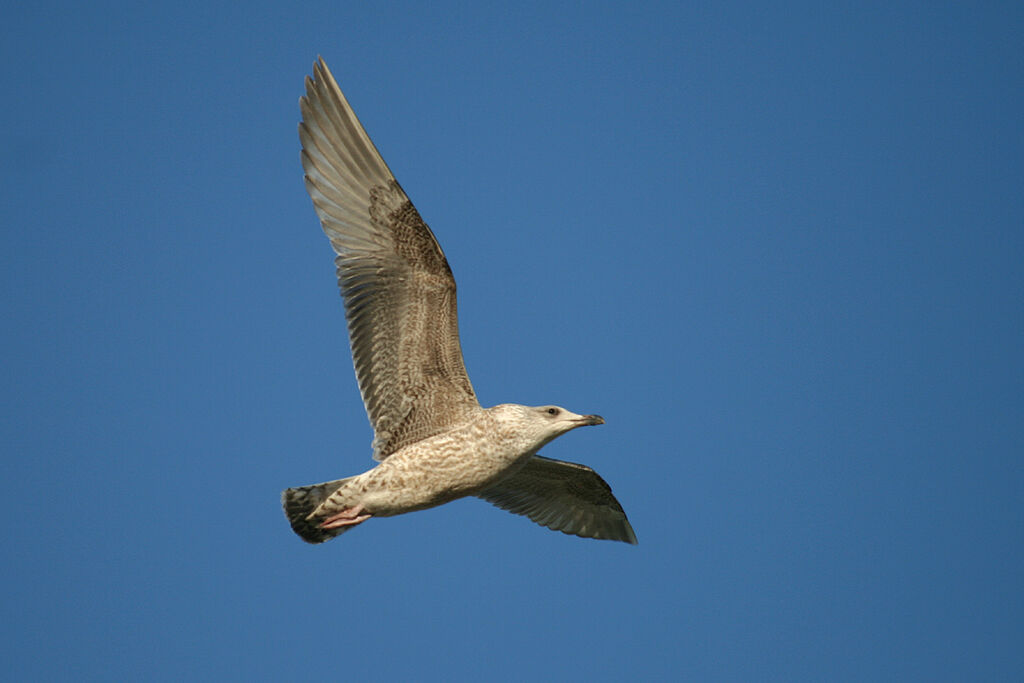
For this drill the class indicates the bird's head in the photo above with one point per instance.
(541, 424)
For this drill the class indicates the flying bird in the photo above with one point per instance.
(433, 440)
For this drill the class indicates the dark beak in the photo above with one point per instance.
(589, 420)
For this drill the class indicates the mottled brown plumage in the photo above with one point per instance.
(434, 440)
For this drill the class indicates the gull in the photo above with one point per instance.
(433, 440)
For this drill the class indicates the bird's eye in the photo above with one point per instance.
(552, 411)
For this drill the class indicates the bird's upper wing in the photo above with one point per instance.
(398, 289)
(565, 497)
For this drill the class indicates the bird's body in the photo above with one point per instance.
(434, 440)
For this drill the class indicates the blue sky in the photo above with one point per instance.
(777, 246)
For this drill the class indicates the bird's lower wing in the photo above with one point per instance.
(563, 496)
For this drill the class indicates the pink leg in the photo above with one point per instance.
(347, 517)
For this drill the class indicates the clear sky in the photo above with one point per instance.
(778, 246)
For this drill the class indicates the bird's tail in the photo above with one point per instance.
(300, 501)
